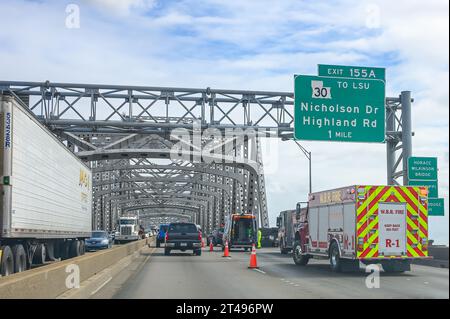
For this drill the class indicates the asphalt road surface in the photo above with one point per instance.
(182, 275)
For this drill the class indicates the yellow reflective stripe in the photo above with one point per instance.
(372, 251)
(403, 200)
(411, 223)
(413, 239)
(423, 209)
(369, 227)
(367, 244)
(369, 199)
(415, 200)
(382, 199)
(412, 251)
(421, 234)
(410, 196)
(423, 223)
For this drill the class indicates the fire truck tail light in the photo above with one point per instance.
(360, 244)
(424, 244)
(423, 191)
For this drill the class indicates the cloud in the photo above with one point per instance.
(121, 7)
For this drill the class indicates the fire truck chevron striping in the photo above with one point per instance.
(367, 224)
(367, 206)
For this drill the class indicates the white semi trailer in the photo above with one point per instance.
(46, 193)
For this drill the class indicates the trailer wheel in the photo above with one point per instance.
(7, 262)
(82, 248)
(298, 256)
(20, 258)
(74, 250)
(335, 258)
(39, 254)
(65, 250)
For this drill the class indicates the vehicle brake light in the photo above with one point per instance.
(167, 237)
(199, 236)
(360, 244)
(423, 191)
(424, 244)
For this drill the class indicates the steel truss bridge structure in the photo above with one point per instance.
(169, 153)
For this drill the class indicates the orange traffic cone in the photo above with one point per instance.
(253, 263)
(226, 252)
(211, 247)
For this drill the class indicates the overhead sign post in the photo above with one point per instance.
(339, 109)
(357, 72)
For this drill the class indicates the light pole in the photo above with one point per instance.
(308, 156)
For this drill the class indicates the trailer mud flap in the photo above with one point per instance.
(392, 229)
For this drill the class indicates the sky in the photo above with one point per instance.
(251, 45)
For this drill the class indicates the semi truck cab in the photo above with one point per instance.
(128, 229)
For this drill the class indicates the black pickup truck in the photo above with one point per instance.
(183, 236)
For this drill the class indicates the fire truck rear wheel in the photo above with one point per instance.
(335, 258)
(298, 256)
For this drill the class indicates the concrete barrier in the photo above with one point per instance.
(52, 280)
(440, 257)
(439, 252)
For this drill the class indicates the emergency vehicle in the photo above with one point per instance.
(240, 231)
(385, 225)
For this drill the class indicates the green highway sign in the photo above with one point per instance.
(435, 207)
(345, 71)
(422, 168)
(339, 109)
(432, 187)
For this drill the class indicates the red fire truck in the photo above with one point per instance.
(385, 225)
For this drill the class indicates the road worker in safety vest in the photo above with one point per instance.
(259, 238)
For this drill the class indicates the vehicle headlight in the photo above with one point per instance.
(105, 241)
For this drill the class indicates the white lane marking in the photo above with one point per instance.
(259, 270)
(408, 279)
(291, 283)
(101, 286)
(426, 282)
(296, 285)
